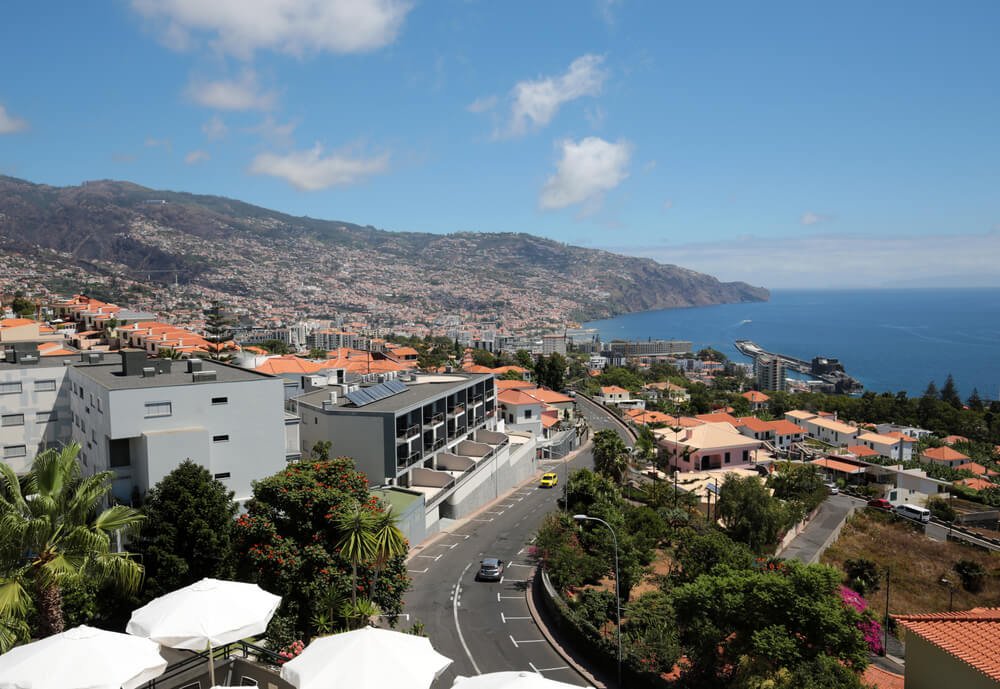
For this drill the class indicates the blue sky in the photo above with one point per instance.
(788, 144)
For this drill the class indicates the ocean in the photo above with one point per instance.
(890, 340)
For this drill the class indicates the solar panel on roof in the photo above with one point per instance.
(357, 400)
(378, 392)
(374, 393)
(395, 386)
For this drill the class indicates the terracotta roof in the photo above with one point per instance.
(503, 384)
(943, 454)
(643, 417)
(862, 451)
(476, 368)
(831, 425)
(952, 439)
(548, 396)
(783, 427)
(718, 417)
(612, 390)
(288, 363)
(971, 636)
(880, 439)
(754, 424)
(516, 398)
(881, 679)
(800, 414)
(500, 370)
(15, 322)
(901, 436)
(976, 468)
(843, 467)
(755, 396)
(976, 483)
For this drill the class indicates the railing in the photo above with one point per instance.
(458, 430)
(476, 399)
(408, 433)
(434, 420)
(430, 447)
(406, 459)
(242, 648)
(456, 410)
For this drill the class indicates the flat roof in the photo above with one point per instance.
(399, 499)
(109, 375)
(416, 393)
(43, 362)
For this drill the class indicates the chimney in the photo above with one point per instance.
(333, 396)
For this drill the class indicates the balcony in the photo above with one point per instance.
(405, 459)
(458, 430)
(476, 400)
(408, 433)
(456, 410)
(430, 446)
(434, 420)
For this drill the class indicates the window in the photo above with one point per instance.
(46, 416)
(220, 438)
(10, 388)
(727, 458)
(220, 400)
(12, 420)
(527, 413)
(45, 386)
(156, 409)
(224, 474)
(14, 451)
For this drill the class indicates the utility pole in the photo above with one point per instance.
(885, 626)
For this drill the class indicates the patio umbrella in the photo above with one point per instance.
(367, 658)
(204, 615)
(82, 658)
(510, 680)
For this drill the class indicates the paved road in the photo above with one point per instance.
(808, 545)
(485, 626)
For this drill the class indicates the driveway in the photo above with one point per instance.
(822, 530)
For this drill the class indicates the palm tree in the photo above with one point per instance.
(610, 455)
(357, 541)
(52, 533)
(389, 543)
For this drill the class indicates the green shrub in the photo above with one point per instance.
(862, 576)
(972, 574)
(941, 509)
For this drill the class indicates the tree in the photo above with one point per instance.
(357, 541)
(188, 532)
(316, 353)
(949, 393)
(758, 622)
(800, 482)
(610, 456)
(750, 514)
(941, 509)
(550, 371)
(524, 359)
(276, 347)
(975, 402)
(290, 542)
(862, 575)
(53, 534)
(217, 330)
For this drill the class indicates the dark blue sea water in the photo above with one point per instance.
(890, 340)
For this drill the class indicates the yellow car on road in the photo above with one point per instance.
(549, 480)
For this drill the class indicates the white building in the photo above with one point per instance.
(141, 418)
(897, 448)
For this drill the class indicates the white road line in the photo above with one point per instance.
(517, 643)
(511, 636)
(515, 564)
(505, 618)
(483, 520)
(540, 670)
(417, 571)
(500, 598)
(432, 557)
(454, 608)
(496, 513)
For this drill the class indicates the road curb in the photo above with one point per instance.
(556, 646)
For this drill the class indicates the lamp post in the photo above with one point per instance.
(618, 604)
(951, 592)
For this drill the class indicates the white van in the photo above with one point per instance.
(920, 514)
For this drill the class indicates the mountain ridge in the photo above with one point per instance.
(152, 236)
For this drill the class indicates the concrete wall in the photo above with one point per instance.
(359, 436)
(39, 430)
(512, 465)
(929, 667)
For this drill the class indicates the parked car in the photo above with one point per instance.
(832, 488)
(490, 569)
(880, 503)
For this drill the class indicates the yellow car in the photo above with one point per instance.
(548, 480)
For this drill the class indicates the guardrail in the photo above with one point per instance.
(200, 658)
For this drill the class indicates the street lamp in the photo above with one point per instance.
(618, 604)
(951, 592)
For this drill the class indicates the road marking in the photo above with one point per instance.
(496, 513)
(504, 618)
(483, 520)
(517, 644)
(417, 571)
(500, 598)
(433, 557)
(515, 564)
(540, 670)
(454, 608)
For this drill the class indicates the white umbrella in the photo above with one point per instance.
(510, 680)
(205, 614)
(367, 658)
(82, 658)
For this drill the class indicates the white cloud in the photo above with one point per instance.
(294, 27)
(810, 218)
(195, 157)
(10, 124)
(587, 170)
(841, 260)
(535, 103)
(275, 132)
(482, 104)
(215, 128)
(241, 94)
(310, 170)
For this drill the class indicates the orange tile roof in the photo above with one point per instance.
(952, 439)
(54, 349)
(842, 467)
(943, 454)
(862, 451)
(404, 351)
(476, 368)
(901, 436)
(548, 396)
(976, 483)
(783, 427)
(755, 396)
(754, 424)
(976, 468)
(503, 384)
(612, 390)
(718, 417)
(549, 420)
(971, 636)
(881, 679)
(15, 322)
(516, 398)
(288, 363)
(500, 370)
(643, 417)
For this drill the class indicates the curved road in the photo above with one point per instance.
(485, 626)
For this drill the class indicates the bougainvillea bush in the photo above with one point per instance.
(868, 625)
(287, 543)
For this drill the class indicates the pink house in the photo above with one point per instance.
(709, 446)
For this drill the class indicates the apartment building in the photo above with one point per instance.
(637, 348)
(553, 344)
(34, 404)
(769, 373)
(141, 417)
(831, 431)
(898, 447)
(432, 434)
